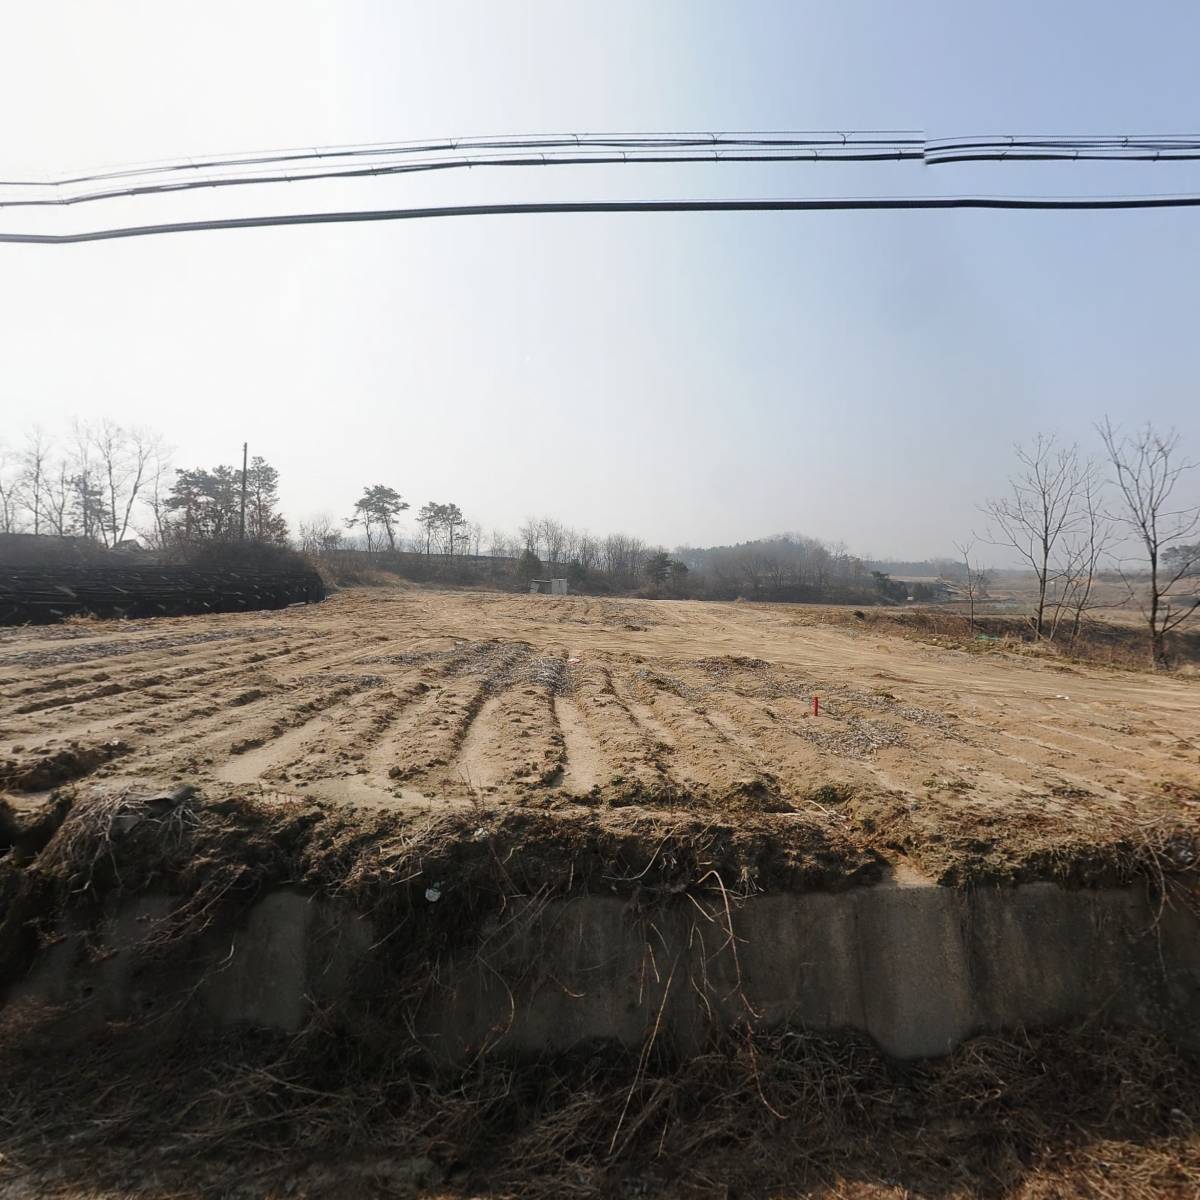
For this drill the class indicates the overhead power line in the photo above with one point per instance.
(821, 204)
(397, 158)
(1093, 148)
(400, 158)
(524, 151)
(494, 143)
(422, 165)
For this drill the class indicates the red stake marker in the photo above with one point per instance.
(816, 706)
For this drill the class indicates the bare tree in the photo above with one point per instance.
(623, 557)
(1084, 550)
(35, 466)
(10, 490)
(500, 545)
(115, 464)
(1148, 469)
(570, 547)
(1039, 509)
(976, 580)
(60, 488)
(588, 552)
(554, 539)
(89, 508)
(474, 534)
(124, 458)
(158, 469)
(320, 535)
(530, 535)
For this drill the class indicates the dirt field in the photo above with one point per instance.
(956, 763)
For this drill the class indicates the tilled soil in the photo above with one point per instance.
(964, 764)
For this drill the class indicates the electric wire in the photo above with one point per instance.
(1095, 148)
(818, 204)
(548, 141)
(540, 159)
(395, 158)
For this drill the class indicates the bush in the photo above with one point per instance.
(260, 556)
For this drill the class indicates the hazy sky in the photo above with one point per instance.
(700, 378)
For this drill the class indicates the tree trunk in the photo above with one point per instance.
(1158, 636)
(1158, 649)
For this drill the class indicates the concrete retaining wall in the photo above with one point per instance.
(917, 968)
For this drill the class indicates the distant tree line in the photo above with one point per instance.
(95, 482)
(447, 545)
(789, 567)
(1130, 511)
(111, 484)
(219, 505)
(114, 485)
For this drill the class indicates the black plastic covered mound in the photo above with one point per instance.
(42, 595)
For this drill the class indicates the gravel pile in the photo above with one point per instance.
(927, 718)
(363, 681)
(851, 737)
(941, 723)
(554, 674)
(502, 665)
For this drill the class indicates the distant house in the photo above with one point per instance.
(548, 587)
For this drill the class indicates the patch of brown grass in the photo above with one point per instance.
(1122, 645)
(1068, 1114)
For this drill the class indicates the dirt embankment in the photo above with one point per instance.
(349, 1106)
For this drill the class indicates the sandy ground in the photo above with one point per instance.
(406, 696)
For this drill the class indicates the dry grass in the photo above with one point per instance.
(1078, 1113)
(1121, 644)
(348, 570)
(958, 843)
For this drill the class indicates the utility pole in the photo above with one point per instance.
(245, 446)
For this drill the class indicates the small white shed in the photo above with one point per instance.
(548, 587)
